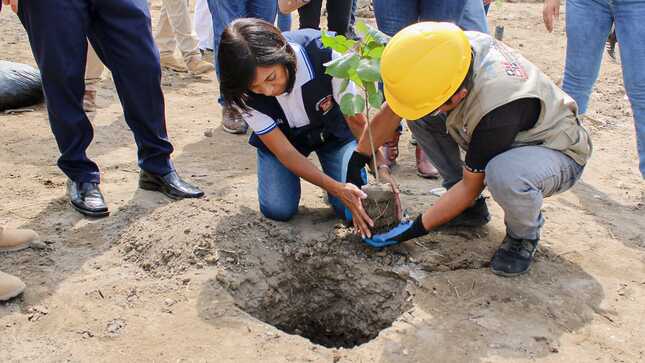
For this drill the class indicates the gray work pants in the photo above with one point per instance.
(518, 179)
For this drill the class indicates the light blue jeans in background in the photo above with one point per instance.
(588, 23)
(225, 11)
(394, 15)
(279, 188)
(284, 22)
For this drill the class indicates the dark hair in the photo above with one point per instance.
(246, 44)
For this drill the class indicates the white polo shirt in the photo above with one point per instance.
(292, 103)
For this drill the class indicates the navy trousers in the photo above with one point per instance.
(121, 33)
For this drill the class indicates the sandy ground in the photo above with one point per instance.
(198, 280)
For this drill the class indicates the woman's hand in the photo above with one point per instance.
(550, 13)
(385, 175)
(350, 195)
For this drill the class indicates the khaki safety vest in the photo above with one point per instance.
(502, 75)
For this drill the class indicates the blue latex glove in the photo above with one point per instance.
(401, 233)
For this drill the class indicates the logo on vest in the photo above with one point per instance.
(325, 104)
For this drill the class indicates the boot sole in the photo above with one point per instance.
(88, 213)
(175, 69)
(428, 176)
(510, 274)
(234, 131)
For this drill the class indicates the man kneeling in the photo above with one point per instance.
(520, 132)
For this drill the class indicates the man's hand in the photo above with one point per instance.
(550, 13)
(12, 3)
(385, 175)
(401, 233)
(350, 195)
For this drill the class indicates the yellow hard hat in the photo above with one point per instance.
(422, 66)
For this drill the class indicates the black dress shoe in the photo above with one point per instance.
(87, 199)
(170, 184)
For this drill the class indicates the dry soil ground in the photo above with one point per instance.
(211, 280)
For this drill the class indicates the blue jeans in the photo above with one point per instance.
(474, 17)
(394, 15)
(588, 23)
(225, 11)
(518, 179)
(279, 188)
(284, 22)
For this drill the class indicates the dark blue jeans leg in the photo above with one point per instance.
(121, 33)
(57, 35)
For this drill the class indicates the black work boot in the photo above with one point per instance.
(475, 216)
(514, 256)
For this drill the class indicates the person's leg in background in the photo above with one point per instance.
(121, 33)
(278, 188)
(284, 22)
(587, 26)
(166, 42)
(392, 16)
(223, 12)
(203, 25)
(262, 9)
(93, 73)
(310, 15)
(630, 30)
(338, 16)
(474, 17)
(487, 6)
(442, 10)
(57, 35)
(175, 28)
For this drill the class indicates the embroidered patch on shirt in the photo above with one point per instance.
(325, 104)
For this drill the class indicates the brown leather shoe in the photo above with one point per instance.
(425, 169)
(172, 63)
(10, 286)
(391, 149)
(196, 65)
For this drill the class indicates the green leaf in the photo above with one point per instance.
(369, 70)
(378, 36)
(341, 66)
(338, 43)
(353, 76)
(376, 53)
(361, 28)
(375, 99)
(374, 96)
(351, 104)
(344, 84)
